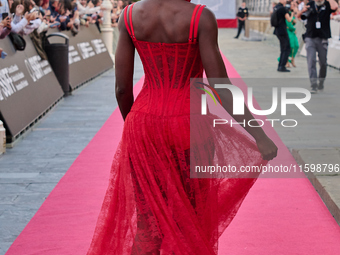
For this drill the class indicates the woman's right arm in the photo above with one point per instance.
(215, 68)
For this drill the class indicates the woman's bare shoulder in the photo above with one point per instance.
(208, 19)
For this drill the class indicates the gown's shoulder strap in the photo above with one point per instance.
(129, 25)
(194, 23)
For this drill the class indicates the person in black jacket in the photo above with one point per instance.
(317, 13)
(281, 33)
(242, 15)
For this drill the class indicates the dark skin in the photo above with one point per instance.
(151, 23)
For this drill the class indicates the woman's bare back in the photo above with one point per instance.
(162, 20)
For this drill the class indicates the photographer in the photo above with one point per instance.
(281, 32)
(317, 13)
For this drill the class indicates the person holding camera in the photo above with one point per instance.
(5, 19)
(5, 25)
(26, 18)
(317, 13)
(282, 13)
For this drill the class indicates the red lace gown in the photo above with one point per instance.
(152, 206)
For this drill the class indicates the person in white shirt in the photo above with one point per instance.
(25, 24)
(300, 7)
(20, 23)
(301, 4)
(87, 9)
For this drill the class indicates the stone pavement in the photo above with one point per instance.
(316, 139)
(30, 170)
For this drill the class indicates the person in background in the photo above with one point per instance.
(318, 14)
(86, 10)
(74, 17)
(114, 16)
(63, 17)
(336, 15)
(126, 3)
(45, 4)
(291, 30)
(41, 14)
(52, 10)
(38, 5)
(282, 34)
(5, 24)
(242, 15)
(24, 22)
(5, 27)
(120, 7)
(63, 14)
(4, 7)
(272, 7)
(301, 4)
(97, 16)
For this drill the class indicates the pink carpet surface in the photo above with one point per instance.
(280, 216)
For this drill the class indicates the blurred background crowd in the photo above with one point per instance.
(35, 17)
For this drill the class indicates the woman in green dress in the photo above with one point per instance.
(294, 42)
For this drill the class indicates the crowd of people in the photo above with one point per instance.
(316, 16)
(28, 17)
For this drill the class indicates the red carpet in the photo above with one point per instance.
(279, 216)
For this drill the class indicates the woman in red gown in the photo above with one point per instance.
(152, 206)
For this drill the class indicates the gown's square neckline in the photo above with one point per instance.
(191, 41)
(177, 43)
